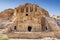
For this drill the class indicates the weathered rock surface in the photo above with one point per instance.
(6, 14)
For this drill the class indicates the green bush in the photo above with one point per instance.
(3, 37)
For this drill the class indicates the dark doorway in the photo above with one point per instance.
(29, 28)
(46, 28)
(14, 27)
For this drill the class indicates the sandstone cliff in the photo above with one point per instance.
(6, 14)
(26, 21)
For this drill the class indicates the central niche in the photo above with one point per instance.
(26, 14)
(29, 28)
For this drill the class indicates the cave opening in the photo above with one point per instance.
(29, 28)
(14, 27)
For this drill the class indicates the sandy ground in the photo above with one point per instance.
(34, 39)
(37, 39)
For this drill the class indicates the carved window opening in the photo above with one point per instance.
(31, 9)
(27, 9)
(26, 14)
(29, 28)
